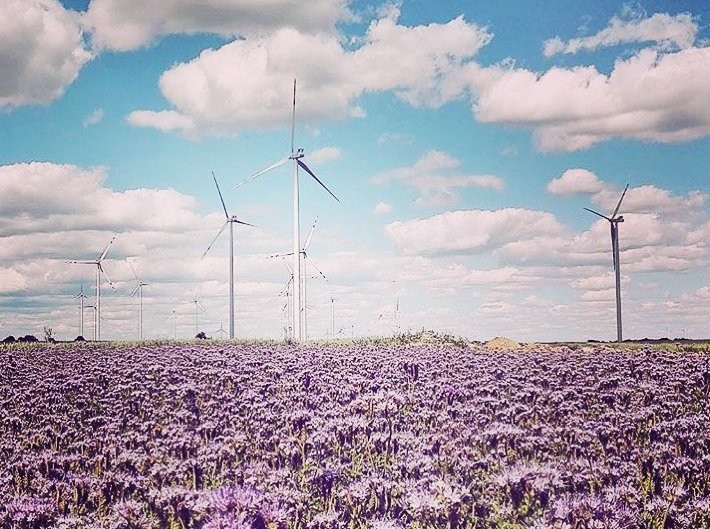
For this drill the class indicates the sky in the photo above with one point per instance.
(462, 138)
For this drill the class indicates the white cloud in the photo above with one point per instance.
(247, 83)
(470, 231)
(679, 31)
(41, 197)
(163, 120)
(435, 175)
(382, 208)
(41, 51)
(95, 117)
(601, 282)
(128, 24)
(575, 181)
(645, 198)
(11, 280)
(397, 138)
(650, 199)
(324, 155)
(651, 96)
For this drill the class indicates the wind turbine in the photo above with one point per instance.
(306, 260)
(138, 290)
(297, 157)
(173, 316)
(198, 307)
(221, 331)
(81, 296)
(614, 221)
(99, 270)
(288, 308)
(231, 220)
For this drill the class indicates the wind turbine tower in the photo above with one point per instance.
(81, 296)
(297, 157)
(138, 290)
(614, 221)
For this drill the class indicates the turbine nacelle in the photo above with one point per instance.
(296, 155)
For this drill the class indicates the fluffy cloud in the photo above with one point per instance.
(41, 51)
(575, 181)
(638, 199)
(247, 83)
(436, 176)
(678, 30)
(650, 96)
(650, 199)
(469, 231)
(128, 24)
(41, 197)
(324, 155)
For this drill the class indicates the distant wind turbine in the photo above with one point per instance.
(288, 306)
(306, 260)
(221, 332)
(614, 221)
(138, 290)
(99, 270)
(173, 317)
(297, 157)
(81, 297)
(198, 307)
(231, 220)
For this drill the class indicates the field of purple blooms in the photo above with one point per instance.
(353, 436)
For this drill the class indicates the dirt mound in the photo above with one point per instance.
(501, 342)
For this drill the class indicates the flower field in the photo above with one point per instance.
(353, 436)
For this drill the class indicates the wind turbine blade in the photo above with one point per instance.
(290, 270)
(602, 216)
(293, 117)
(110, 283)
(220, 195)
(82, 262)
(310, 235)
(310, 260)
(202, 307)
(265, 170)
(619, 204)
(214, 240)
(135, 290)
(274, 256)
(305, 168)
(134, 271)
(103, 255)
(246, 224)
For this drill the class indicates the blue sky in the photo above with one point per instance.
(441, 126)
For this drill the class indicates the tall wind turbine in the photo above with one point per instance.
(614, 221)
(81, 297)
(99, 270)
(231, 220)
(138, 290)
(297, 157)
